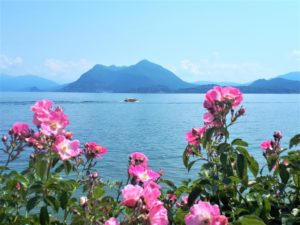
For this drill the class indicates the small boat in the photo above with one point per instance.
(130, 99)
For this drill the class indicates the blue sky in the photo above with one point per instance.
(198, 40)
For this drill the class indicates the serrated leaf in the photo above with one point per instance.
(185, 159)
(252, 163)
(63, 199)
(242, 166)
(283, 173)
(44, 216)
(41, 167)
(169, 183)
(249, 220)
(67, 166)
(59, 168)
(53, 202)
(239, 142)
(33, 202)
(294, 141)
(193, 195)
(190, 165)
(98, 192)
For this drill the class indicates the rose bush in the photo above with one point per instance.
(61, 186)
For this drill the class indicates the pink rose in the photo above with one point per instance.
(143, 174)
(138, 158)
(131, 194)
(94, 150)
(21, 129)
(194, 137)
(267, 145)
(151, 193)
(112, 221)
(54, 123)
(205, 213)
(65, 148)
(233, 94)
(158, 215)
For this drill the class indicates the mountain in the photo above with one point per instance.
(275, 85)
(25, 83)
(220, 83)
(291, 76)
(144, 76)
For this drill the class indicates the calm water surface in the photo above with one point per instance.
(156, 125)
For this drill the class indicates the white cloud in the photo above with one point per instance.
(191, 67)
(214, 69)
(296, 53)
(66, 70)
(6, 62)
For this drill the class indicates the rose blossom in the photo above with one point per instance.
(143, 174)
(194, 137)
(54, 123)
(21, 129)
(138, 158)
(267, 145)
(205, 213)
(131, 194)
(94, 150)
(218, 94)
(41, 110)
(158, 214)
(151, 193)
(65, 148)
(112, 221)
(233, 94)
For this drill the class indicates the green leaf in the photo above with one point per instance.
(169, 183)
(294, 141)
(67, 166)
(33, 202)
(185, 158)
(241, 166)
(272, 160)
(193, 195)
(53, 202)
(98, 192)
(207, 136)
(44, 216)
(249, 220)
(41, 167)
(63, 199)
(252, 163)
(59, 168)
(224, 147)
(284, 174)
(239, 142)
(189, 166)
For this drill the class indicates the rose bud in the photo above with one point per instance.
(277, 135)
(18, 186)
(95, 175)
(83, 200)
(68, 134)
(4, 138)
(241, 111)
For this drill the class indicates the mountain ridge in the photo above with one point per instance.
(143, 77)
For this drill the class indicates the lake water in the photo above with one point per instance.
(156, 125)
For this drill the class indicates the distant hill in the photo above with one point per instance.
(144, 76)
(25, 83)
(275, 85)
(219, 83)
(291, 76)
